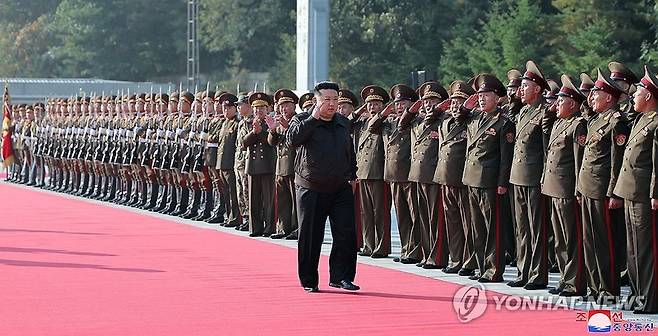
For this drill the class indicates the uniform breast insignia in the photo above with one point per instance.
(620, 139)
(509, 137)
(645, 131)
(581, 139)
(535, 121)
(490, 131)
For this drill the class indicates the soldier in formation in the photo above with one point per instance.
(479, 173)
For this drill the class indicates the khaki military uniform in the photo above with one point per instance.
(531, 208)
(286, 212)
(244, 127)
(374, 193)
(397, 143)
(449, 169)
(489, 150)
(428, 205)
(563, 160)
(606, 139)
(226, 152)
(638, 184)
(260, 168)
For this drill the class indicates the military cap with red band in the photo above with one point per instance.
(534, 74)
(607, 85)
(570, 90)
(649, 82)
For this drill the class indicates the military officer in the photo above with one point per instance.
(227, 136)
(563, 160)
(530, 208)
(374, 193)
(397, 144)
(638, 186)
(427, 202)
(606, 139)
(286, 222)
(449, 168)
(626, 79)
(244, 127)
(586, 85)
(490, 146)
(260, 168)
(348, 103)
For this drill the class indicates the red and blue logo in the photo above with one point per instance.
(599, 321)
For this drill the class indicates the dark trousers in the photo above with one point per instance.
(485, 215)
(568, 232)
(531, 216)
(642, 248)
(313, 208)
(286, 218)
(598, 243)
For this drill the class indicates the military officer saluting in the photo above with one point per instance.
(489, 149)
(606, 138)
(449, 168)
(427, 202)
(397, 143)
(638, 185)
(374, 193)
(563, 160)
(533, 127)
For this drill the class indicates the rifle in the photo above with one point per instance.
(200, 148)
(157, 159)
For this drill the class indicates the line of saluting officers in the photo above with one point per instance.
(534, 173)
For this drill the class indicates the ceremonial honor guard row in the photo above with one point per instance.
(538, 174)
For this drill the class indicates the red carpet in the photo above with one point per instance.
(70, 267)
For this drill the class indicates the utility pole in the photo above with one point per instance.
(192, 44)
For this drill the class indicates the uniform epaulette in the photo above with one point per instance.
(652, 114)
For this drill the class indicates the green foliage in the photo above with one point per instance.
(372, 41)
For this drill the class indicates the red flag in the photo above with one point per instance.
(7, 146)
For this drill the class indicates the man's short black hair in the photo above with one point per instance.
(326, 86)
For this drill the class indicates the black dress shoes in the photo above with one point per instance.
(311, 289)
(466, 272)
(396, 259)
(278, 236)
(378, 256)
(431, 266)
(516, 283)
(254, 234)
(451, 270)
(346, 285)
(569, 293)
(485, 280)
(533, 286)
(555, 291)
(407, 261)
(363, 254)
(474, 277)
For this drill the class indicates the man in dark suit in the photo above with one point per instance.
(324, 165)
